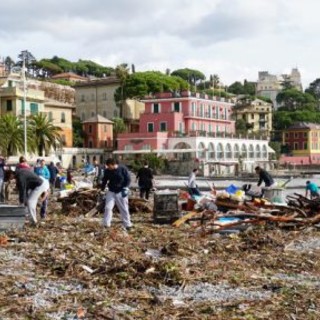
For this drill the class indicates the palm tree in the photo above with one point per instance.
(12, 135)
(45, 134)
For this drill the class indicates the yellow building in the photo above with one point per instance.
(132, 110)
(256, 113)
(57, 101)
(302, 140)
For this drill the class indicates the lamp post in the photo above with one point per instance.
(24, 105)
(26, 57)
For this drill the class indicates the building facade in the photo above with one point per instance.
(257, 114)
(98, 133)
(269, 85)
(303, 143)
(56, 101)
(97, 97)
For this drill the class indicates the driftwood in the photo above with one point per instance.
(91, 202)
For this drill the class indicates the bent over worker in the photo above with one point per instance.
(117, 179)
(31, 187)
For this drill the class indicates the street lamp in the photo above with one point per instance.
(25, 56)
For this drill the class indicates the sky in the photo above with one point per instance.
(232, 38)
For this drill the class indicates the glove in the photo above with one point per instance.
(124, 192)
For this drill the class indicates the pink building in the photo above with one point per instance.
(169, 115)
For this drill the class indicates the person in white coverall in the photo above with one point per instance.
(31, 188)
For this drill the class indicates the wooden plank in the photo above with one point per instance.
(183, 219)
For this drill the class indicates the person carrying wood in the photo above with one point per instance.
(117, 179)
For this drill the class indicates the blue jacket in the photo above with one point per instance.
(42, 172)
(116, 179)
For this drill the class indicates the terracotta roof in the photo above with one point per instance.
(68, 75)
(304, 125)
(97, 119)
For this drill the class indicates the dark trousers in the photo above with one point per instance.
(195, 192)
(43, 209)
(144, 193)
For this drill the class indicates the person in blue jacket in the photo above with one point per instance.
(42, 171)
(117, 179)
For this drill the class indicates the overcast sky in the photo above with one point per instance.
(232, 38)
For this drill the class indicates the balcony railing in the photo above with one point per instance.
(200, 133)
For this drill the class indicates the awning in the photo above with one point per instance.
(270, 150)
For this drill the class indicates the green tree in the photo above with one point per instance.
(12, 135)
(314, 88)
(236, 88)
(78, 133)
(276, 146)
(192, 76)
(9, 63)
(45, 134)
(122, 73)
(118, 127)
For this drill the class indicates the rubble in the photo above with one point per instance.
(69, 267)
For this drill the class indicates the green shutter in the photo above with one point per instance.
(34, 108)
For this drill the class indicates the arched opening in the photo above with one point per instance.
(258, 152)
(201, 150)
(251, 151)
(228, 151)
(244, 153)
(185, 156)
(220, 154)
(211, 151)
(264, 152)
(236, 151)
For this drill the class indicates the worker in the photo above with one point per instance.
(145, 181)
(313, 189)
(264, 176)
(31, 187)
(117, 179)
(42, 170)
(192, 185)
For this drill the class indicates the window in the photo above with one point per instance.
(295, 147)
(9, 105)
(305, 145)
(201, 110)
(63, 117)
(104, 96)
(90, 144)
(83, 98)
(211, 151)
(296, 134)
(228, 151)
(90, 128)
(34, 108)
(252, 115)
(128, 147)
(156, 108)
(146, 147)
(92, 114)
(163, 126)
(193, 108)
(176, 107)
(305, 134)
(50, 117)
(150, 126)
(10, 83)
(251, 151)
(180, 126)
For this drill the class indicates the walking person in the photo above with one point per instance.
(41, 170)
(31, 187)
(192, 185)
(117, 179)
(145, 181)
